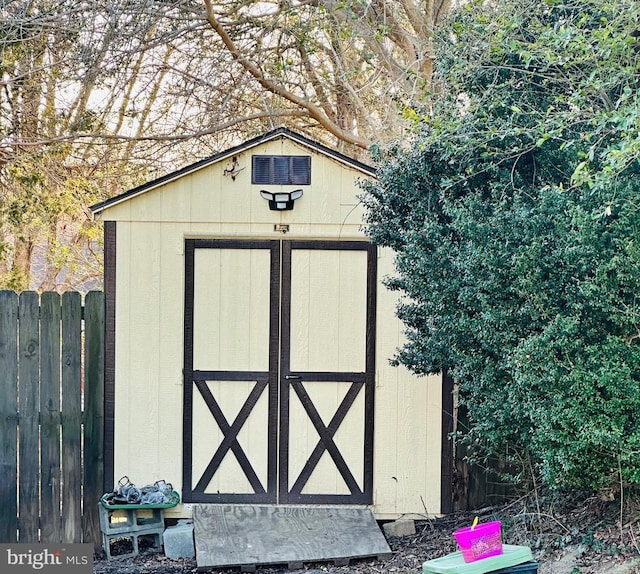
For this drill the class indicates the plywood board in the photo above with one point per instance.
(250, 535)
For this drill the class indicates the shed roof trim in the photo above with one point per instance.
(280, 132)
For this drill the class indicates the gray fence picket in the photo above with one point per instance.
(71, 417)
(50, 486)
(50, 315)
(93, 413)
(9, 416)
(28, 390)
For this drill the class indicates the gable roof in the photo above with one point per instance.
(280, 132)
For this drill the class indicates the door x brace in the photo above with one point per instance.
(230, 432)
(326, 433)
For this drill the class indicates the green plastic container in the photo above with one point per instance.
(524, 568)
(454, 563)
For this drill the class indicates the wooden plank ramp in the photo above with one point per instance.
(248, 536)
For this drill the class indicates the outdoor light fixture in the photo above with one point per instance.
(281, 201)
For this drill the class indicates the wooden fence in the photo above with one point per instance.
(51, 416)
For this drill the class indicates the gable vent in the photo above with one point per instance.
(281, 169)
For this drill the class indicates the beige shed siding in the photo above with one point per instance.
(231, 308)
(207, 196)
(324, 337)
(148, 353)
(408, 419)
(151, 231)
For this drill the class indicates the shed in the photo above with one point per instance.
(249, 337)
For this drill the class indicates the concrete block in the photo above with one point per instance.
(401, 527)
(178, 540)
(131, 542)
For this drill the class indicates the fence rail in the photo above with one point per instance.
(51, 416)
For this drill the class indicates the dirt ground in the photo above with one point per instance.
(590, 536)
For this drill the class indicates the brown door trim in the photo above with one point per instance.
(194, 379)
(279, 382)
(293, 381)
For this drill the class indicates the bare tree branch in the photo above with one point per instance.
(313, 110)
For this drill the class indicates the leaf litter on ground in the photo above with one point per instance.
(597, 532)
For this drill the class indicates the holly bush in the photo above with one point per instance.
(513, 207)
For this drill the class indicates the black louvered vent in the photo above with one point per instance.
(281, 169)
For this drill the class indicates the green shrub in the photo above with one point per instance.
(514, 211)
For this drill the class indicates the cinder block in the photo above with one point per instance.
(128, 520)
(401, 527)
(132, 539)
(178, 540)
(129, 525)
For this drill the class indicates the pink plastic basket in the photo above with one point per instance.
(481, 541)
